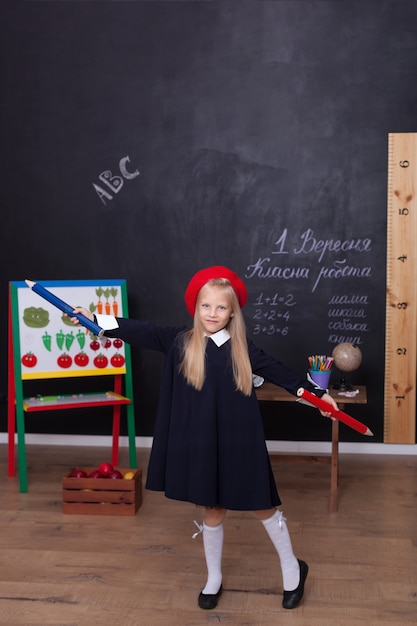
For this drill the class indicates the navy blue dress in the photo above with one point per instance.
(209, 445)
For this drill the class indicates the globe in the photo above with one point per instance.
(347, 357)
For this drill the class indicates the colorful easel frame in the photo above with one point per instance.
(17, 404)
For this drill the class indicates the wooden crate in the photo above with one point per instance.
(102, 496)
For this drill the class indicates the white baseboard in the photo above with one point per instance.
(324, 447)
(290, 447)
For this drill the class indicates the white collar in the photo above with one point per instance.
(220, 337)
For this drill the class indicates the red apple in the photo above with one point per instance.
(78, 473)
(94, 474)
(115, 474)
(105, 469)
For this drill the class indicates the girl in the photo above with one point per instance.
(209, 446)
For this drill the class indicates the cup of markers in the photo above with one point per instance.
(320, 369)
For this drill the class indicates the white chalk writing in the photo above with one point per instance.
(114, 183)
(309, 244)
(326, 262)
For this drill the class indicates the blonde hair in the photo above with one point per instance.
(193, 364)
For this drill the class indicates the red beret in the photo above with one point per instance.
(203, 276)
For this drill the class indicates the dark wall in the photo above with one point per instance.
(145, 140)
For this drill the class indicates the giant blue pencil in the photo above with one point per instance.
(63, 306)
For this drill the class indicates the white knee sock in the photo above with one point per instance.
(213, 550)
(277, 529)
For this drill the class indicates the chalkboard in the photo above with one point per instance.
(151, 139)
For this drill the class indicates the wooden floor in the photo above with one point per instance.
(146, 570)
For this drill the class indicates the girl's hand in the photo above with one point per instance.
(85, 312)
(328, 398)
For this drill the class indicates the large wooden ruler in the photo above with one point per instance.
(401, 301)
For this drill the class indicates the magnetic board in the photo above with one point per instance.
(46, 342)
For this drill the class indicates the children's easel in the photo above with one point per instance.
(43, 344)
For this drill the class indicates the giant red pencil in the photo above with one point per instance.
(339, 415)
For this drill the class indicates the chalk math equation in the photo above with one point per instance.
(272, 313)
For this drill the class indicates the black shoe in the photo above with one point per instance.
(209, 600)
(293, 598)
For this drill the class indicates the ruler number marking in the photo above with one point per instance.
(401, 321)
